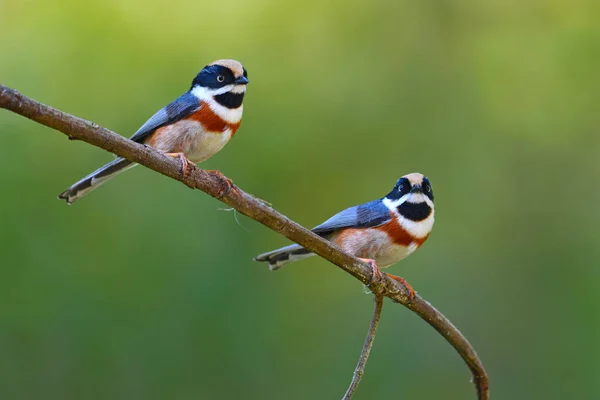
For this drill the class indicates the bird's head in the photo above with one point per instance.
(224, 81)
(411, 197)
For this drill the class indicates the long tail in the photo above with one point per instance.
(280, 257)
(95, 179)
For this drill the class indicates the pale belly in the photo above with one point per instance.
(394, 254)
(206, 144)
(372, 244)
(190, 138)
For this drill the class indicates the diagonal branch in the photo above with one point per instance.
(364, 355)
(216, 186)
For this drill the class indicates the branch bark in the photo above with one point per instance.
(216, 186)
(364, 355)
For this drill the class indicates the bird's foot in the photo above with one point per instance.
(187, 166)
(376, 274)
(227, 183)
(411, 291)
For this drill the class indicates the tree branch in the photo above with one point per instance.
(364, 355)
(216, 186)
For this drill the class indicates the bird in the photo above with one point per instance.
(193, 127)
(380, 232)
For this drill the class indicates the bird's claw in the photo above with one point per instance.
(227, 183)
(186, 165)
(376, 274)
(411, 291)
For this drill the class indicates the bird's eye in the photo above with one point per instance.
(428, 188)
(220, 78)
(400, 188)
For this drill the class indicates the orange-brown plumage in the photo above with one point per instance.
(343, 236)
(207, 117)
(369, 242)
(172, 140)
(193, 127)
(399, 235)
(381, 232)
(159, 135)
(235, 66)
(211, 121)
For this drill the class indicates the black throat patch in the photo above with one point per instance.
(414, 211)
(230, 100)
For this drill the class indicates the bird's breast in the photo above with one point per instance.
(204, 144)
(199, 136)
(404, 235)
(371, 243)
(386, 244)
(212, 121)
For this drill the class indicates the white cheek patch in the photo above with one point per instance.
(428, 201)
(204, 93)
(239, 89)
(232, 116)
(416, 198)
(418, 229)
(200, 92)
(420, 198)
(412, 197)
(393, 204)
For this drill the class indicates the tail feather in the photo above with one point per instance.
(280, 257)
(95, 179)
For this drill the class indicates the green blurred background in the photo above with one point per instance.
(147, 290)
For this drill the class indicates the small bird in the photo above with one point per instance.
(381, 232)
(193, 128)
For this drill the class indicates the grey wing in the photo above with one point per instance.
(182, 107)
(370, 214)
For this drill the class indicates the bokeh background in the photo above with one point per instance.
(147, 290)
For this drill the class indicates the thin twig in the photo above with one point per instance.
(216, 186)
(364, 355)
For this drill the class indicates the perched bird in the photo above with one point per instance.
(193, 128)
(381, 232)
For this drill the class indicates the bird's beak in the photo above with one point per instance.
(242, 80)
(416, 189)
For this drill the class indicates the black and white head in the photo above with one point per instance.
(412, 201)
(222, 84)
